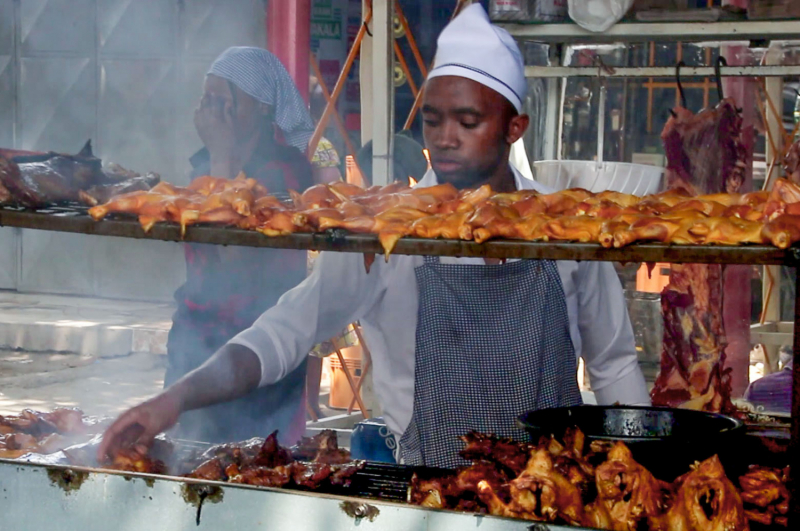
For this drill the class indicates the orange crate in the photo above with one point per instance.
(341, 394)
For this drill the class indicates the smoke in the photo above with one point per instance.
(128, 75)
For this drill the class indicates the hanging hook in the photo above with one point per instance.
(678, 81)
(721, 61)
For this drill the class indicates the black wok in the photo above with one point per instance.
(666, 441)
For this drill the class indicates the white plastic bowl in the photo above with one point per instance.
(623, 177)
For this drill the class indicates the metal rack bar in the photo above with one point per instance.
(342, 241)
(742, 30)
(660, 71)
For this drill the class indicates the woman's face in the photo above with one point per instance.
(246, 113)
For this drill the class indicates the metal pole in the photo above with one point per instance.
(553, 112)
(289, 38)
(601, 124)
(771, 293)
(382, 91)
(794, 449)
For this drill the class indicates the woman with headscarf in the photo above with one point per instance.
(251, 119)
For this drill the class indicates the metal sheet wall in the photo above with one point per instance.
(128, 75)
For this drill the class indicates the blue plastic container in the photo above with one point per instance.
(372, 441)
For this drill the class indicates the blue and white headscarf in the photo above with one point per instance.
(261, 75)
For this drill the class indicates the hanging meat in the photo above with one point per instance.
(791, 163)
(707, 153)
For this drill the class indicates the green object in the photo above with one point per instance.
(409, 160)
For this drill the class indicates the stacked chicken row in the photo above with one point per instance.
(602, 488)
(317, 461)
(395, 211)
(67, 436)
(40, 432)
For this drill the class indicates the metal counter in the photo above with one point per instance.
(37, 497)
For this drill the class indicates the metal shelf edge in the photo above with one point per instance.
(660, 71)
(743, 30)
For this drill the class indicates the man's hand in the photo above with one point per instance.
(141, 424)
(214, 122)
(232, 372)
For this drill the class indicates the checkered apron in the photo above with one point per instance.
(492, 342)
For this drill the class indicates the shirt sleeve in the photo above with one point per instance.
(337, 293)
(608, 345)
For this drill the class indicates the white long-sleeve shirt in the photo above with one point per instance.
(339, 292)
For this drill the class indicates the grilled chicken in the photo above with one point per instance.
(706, 500)
(397, 211)
(627, 494)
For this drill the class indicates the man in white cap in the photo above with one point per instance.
(458, 344)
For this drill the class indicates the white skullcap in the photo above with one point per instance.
(471, 47)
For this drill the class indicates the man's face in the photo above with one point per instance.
(468, 129)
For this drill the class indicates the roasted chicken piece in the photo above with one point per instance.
(430, 493)
(627, 494)
(135, 460)
(783, 231)
(705, 500)
(508, 454)
(310, 475)
(39, 424)
(785, 191)
(322, 448)
(697, 205)
(569, 460)
(267, 464)
(130, 203)
(272, 454)
(446, 226)
(727, 231)
(211, 470)
(574, 228)
(765, 495)
(546, 494)
(649, 228)
(490, 220)
(468, 488)
(617, 198)
(318, 196)
(344, 472)
(428, 200)
(263, 476)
